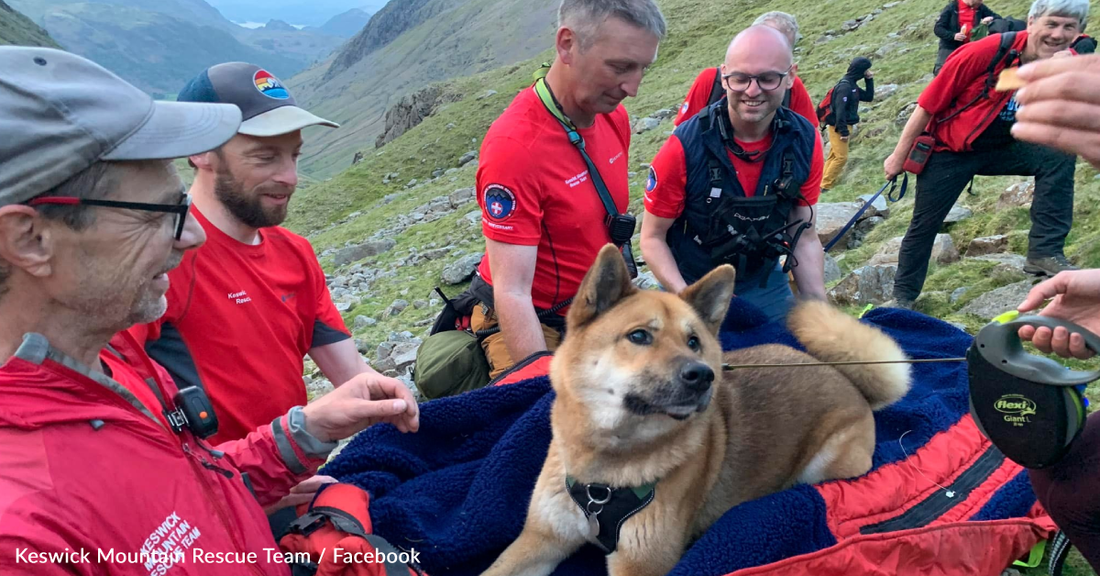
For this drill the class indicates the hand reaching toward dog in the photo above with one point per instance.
(1075, 297)
(366, 399)
(303, 493)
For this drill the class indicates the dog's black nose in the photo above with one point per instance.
(696, 376)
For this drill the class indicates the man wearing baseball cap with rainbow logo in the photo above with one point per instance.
(248, 306)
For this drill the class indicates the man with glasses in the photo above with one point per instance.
(737, 184)
(707, 88)
(96, 454)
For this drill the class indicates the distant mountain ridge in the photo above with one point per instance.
(17, 29)
(406, 46)
(347, 24)
(158, 45)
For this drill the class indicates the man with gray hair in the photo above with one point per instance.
(707, 87)
(553, 167)
(968, 131)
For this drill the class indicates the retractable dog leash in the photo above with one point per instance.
(1030, 407)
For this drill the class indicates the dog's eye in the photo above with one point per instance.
(640, 337)
(693, 343)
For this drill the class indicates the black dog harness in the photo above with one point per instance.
(606, 508)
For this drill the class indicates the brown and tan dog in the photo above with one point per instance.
(640, 414)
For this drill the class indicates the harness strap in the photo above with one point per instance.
(575, 138)
(345, 522)
(606, 508)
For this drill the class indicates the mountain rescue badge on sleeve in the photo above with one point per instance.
(500, 202)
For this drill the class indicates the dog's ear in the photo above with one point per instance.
(710, 296)
(606, 282)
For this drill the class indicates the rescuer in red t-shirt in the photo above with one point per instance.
(246, 308)
(956, 24)
(707, 88)
(972, 126)
(542, 218)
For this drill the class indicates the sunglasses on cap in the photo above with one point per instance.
(180, 210)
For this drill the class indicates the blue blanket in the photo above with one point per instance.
(458, 490)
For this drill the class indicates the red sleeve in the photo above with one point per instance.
(965, 65)
(274, 461)
(811, 188)
(509, 193)
(667, 182)
(698, 95)
(801, 102)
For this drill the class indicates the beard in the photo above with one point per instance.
(248, 208)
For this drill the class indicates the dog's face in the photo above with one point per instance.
(632, 357)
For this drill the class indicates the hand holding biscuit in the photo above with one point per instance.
(1060, 105)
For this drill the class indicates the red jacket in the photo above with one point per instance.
(86, 470)
(960, 81)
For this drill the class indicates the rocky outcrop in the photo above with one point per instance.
(868, 285)
(1017, 196)
(461, 270)
(384, 27)
(996, 302)
(987, 245)
(16, 28)
(943, 251)
(361, 251)
(411, 110)
(831, 218)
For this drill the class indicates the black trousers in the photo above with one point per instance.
(1068, 491)
(948, 173)
(941, 57)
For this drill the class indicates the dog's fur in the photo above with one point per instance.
(624, 416)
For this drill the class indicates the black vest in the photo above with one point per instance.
(726, 226)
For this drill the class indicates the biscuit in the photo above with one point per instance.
(1009, 80)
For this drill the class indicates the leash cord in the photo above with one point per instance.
(948, 493)
(843, 363)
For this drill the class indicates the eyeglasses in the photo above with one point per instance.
(180, 210)
(767, 81)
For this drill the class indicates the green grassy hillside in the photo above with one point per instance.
(18, 30)
(362, 201)
(461, 37)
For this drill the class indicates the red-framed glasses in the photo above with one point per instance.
(180, 210)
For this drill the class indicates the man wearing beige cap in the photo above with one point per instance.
(100, 452)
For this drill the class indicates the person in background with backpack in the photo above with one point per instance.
(707, 88)
(956, 24)
(971, 126)
(843, 113)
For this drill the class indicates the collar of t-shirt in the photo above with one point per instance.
(214, 235)
(748, 173)
(966, 17)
